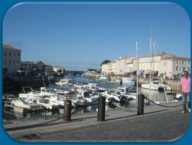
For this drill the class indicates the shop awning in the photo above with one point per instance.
(147, 72)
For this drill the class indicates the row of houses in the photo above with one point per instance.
(162, 64)
(11, 61)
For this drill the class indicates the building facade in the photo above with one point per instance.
(11, 59)
(120, 66)
(32, 65)
(173, 65)
(162, 64)
(48, 69)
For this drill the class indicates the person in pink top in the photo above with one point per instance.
(185, 89)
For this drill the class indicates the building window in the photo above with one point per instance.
(9, 61)
(177, 68)
(4, 61)
(183, 69)
(5, 53)
(18, 54)
(10, 53)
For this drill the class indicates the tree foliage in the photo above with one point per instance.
(105, 62)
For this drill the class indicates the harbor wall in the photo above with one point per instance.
(17, 82)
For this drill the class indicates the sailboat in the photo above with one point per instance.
(155, 84)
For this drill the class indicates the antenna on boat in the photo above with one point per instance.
(137, 64)
(43, 81)
(151, 40)
(151, 46)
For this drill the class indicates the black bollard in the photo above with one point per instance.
(140, 107)
(101, 109)
(67, 110)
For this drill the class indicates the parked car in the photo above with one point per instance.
(176, 76)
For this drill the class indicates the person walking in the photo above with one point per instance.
(185, 89)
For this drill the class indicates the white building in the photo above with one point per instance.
(48, 69)
(39, 65)
(32, 65)
(129, 64)
(120, 66)
(113, 67)
(58, 69)
(173, 65)
(27, 65)
(105, 68)
(150, 64)
(11, 59)
(162, 64)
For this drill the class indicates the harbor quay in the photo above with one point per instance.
(159, 123)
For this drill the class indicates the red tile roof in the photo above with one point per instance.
(9, 47)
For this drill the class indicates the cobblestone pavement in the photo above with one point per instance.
(158, 127)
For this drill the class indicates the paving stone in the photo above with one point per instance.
(157, 124)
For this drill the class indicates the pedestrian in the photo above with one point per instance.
(185, 89)
(121, 81)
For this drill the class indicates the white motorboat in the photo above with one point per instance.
(128, 92)
(125, 90)
(28, 92)
(44, 91)
(63, 82)
(110, 95)
(55, 101)
(115, 80)
(79, 86)
(103, 78)
(45, 103)
(79, 101)
(91, 97)
(25, 105)
(177, 97)
(9, 97)
(93, 87)
(128, 81)
(157, 85)
(61, 90)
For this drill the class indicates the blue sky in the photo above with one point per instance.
(78, 36)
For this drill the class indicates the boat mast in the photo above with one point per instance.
(137, 65)
(150, 56)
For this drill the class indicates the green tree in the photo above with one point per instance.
(105, 62)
